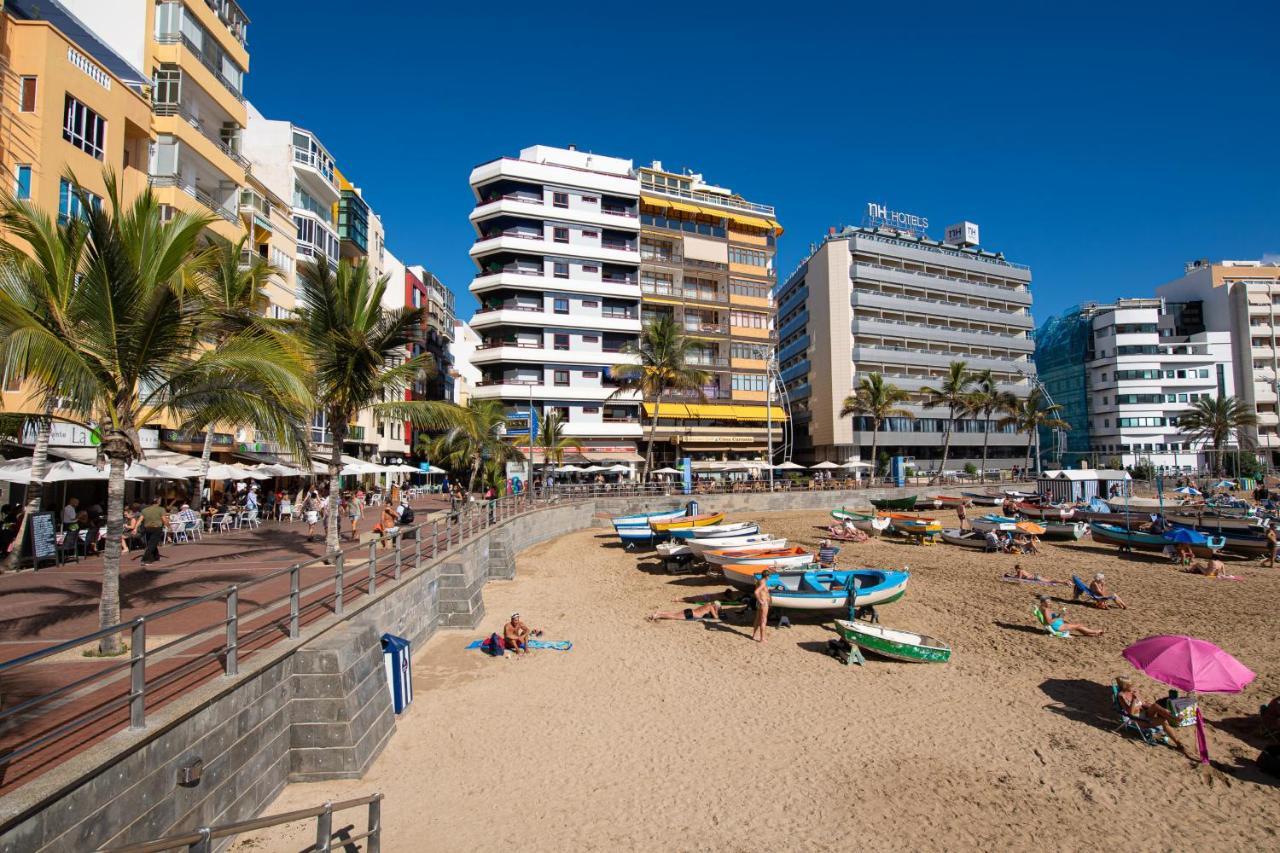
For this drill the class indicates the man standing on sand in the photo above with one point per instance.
(961, 514)
(763, 599)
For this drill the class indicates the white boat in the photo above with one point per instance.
(774, 558)
(737, 528)
(828, 590)
(1143, 504)
(760, 542)
(673, 548)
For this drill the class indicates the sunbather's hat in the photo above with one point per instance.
(1099, 577)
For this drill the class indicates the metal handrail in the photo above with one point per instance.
(201, 840)
(456, 528)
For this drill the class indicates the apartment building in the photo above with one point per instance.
(1241, 298)
(268, 222)
(196, 54)
(557, 253)
(360, 232)
(462, 346)
(886, 298)
(430, 294)
(707, 263)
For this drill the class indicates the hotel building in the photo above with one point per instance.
(1241, 298)
(707, 263)
(557, 253)
(196, 53)
(885, 298)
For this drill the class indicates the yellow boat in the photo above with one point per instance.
(687, 521)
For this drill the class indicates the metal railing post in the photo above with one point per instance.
(339, 562)
(324, 829)
(399, 557)
(435, 537)
(205, 844)
(374, 841)
(138, 675)
(233, 629)
(373, 565)
(294, 602)
(417, 547)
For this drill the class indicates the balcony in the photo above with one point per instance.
(538, 317)
(902, 355)
(210, 63)
(525, 245)
(647, 185)
(922, 331)
(695, 328)
(224, 208)
(685, 294)
(197, 123)
(939, 307)
(861, 270)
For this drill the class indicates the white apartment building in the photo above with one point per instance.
(462, 348)
(557, 253)
(1241, 298)
(1148, 362)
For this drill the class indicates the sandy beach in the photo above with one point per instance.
(688, 736)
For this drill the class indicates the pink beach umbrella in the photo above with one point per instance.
(1190, 664)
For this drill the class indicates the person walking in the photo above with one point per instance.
(763, 600)
(153, 521)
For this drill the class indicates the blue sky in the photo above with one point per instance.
(1103, 145)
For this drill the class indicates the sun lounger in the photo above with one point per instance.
(1082, 591)
(1151, 734)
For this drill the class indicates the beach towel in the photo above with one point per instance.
(1027, 580)
(556, 645)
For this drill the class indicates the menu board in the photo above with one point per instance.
(42, 541)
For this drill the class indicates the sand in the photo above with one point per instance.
(689, 736)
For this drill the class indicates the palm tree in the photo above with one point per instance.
(986, 399)
(551, 439)
(876, 399)
(1211, 421)
(954, 394)
(38, 283)
(477, 435)
(131, 353)
(356, 354)
(664, 367)
(233, 295)
(1029, 414)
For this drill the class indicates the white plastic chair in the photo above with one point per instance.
(176, 532)
(286, 508)
(220, 522)
(250, 519)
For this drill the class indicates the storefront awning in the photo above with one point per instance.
(759, 413)
(668, 410)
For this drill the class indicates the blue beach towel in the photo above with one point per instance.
(556, 645)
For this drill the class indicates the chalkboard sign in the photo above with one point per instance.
(42, 541)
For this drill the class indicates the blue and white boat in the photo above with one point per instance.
(711, 531)
(998, 523)
(829, 590)
(642, 519)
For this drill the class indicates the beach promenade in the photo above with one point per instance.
(691, 737)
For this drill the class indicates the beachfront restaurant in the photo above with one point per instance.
(1083, 485)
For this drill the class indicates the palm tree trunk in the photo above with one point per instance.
(946, 445)
(1026, 466)
(338, 433)
(198, 498)
(475, 471)
(109, 601)
(653, 433)
(35, 489)
(986, 438)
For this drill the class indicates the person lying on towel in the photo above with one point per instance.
(689, 614)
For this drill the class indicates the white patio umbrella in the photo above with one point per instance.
(618, 469)
(431, 469)
(220, 471)
(569, 469)
(146, 471)
(401, 468)
(788, 466)
(854, 463)
(19, 471)
(665, 471)
(824, 466)
(593, 469)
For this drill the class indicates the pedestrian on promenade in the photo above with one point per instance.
(153, 521)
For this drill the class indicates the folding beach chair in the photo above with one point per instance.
(1044, 623)
(1151, 735)
(1082, 591)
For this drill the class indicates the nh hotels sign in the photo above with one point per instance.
(879, 214)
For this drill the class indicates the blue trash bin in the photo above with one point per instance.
(692, 508)
(396, 661)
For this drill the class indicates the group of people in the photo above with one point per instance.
(396, 513)
(1010, 543)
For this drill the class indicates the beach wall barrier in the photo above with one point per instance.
(308, 709)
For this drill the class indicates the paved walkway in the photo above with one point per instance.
(40, 609)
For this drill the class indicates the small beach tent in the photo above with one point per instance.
(1082, 485)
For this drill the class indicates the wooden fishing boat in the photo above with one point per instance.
(673, 548)
(1049, 512)
(759, 542)
(984, 498)
(746, 574)
(917, 526)
(1136, 539)
(907, 503)
(964, 538)
(894, 643)
(703, 520)
(636, 534)
(1021, 496)
(1143, 504)
(830, 590)
(737, 528)
(1123, 519)
(642, 519)
(1212, 521)
(1237, 541)
(773, 558)
(947, 501)
(998, 523)
(866, 522)
(1064, 529)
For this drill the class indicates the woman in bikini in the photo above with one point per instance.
(1058, 623)
(1150, 713)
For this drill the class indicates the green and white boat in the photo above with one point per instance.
(866, 522)
(892, 643)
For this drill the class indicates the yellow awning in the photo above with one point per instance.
(668, 410)
(777, 228)
(654, 201)
(685, 208)
(753, 221)
(758, 413)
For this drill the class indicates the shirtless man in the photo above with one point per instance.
(763, 599)
(1210, 568)
(515, 635)
(689, 614)
(1148, 713)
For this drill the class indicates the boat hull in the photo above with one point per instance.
(829, 590)
(873, 524)
(1237, 541)
(1069, 530)
(946, 501)
(964, 538)
(1215, 522)
(644, 518)
(1000, 524)
(982, 499)
(761, 542)
(1048, 512)
(891, 643)
(762, 560)
(908, 503)
(687, 521)
(1147, 541)
(739, 528)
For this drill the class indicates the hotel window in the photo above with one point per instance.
(69, 204)
(560, 269)
(591, 339)
(590, 268)
(750, 257)
(748, 320)
(28, 95)
(560, 235)
(745, 351)
(591, 235)
(168, 82)
(744, 288)
(84, 128)
(590, 303)
(748, 382)
(590, 199)
(560, 306)
(591, 410)
(560, 199)
(562, 377)
(560, 342)
(22, 182)
(590, 374)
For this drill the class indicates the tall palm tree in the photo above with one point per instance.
(876, 399)
(476, 435)
(551, 439)
(664, 367)
(986, 399)
(952, 392)
(1029, 414)
(234, 298)
(136, 355)
(39, 264)
(356, 353)
(1211, 421)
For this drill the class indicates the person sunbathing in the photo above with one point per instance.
(1103, 598)
(689, 614)
(1148, 713)
(1058, 623)
(1211, 568)
(1020, 574)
